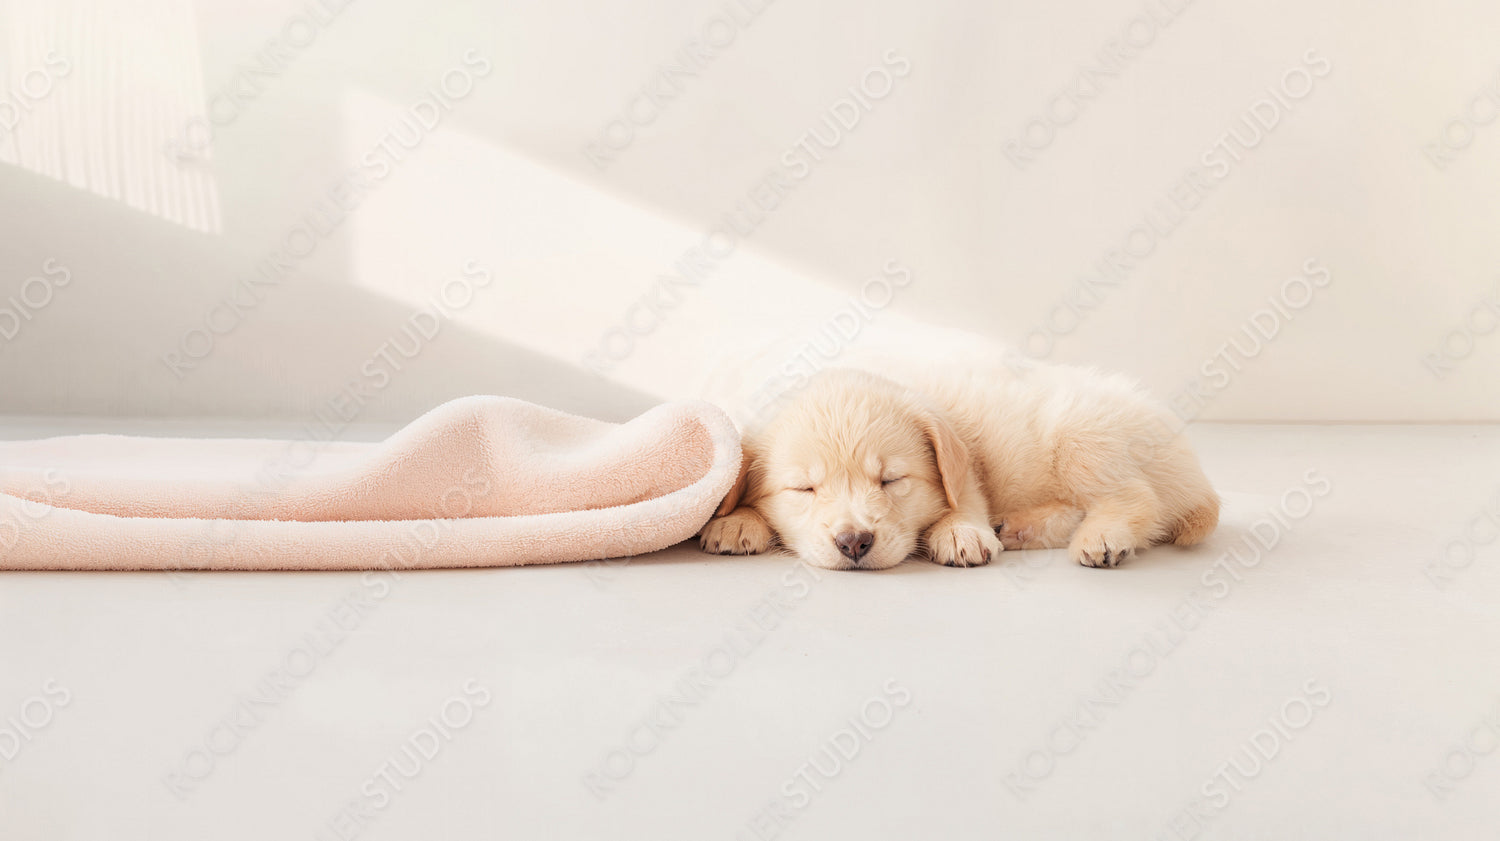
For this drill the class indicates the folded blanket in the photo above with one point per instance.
(478, 481)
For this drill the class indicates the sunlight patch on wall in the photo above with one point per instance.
(569, 260)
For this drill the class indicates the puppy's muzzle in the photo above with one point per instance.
(854, 544)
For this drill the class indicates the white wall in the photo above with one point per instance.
(928, 188)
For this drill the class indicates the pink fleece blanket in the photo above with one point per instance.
(478, 481)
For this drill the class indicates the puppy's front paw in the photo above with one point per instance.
(740, 532)
(1100, 548)
(956, 543)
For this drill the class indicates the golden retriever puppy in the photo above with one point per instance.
(859, 471)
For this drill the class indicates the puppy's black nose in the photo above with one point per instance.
(854, 544)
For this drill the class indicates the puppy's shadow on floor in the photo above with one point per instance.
(1165, 559)
(918, 565)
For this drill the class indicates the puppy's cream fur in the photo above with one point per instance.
(956, 465)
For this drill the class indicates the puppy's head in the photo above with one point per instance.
(853, 471)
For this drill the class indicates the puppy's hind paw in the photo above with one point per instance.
(1013, 535)
(1041, 527)
(740, 532)
(955, 543)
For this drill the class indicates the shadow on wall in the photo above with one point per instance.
(129, 284)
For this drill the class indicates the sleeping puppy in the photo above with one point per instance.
(859, 471)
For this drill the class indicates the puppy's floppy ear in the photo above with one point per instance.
(741, 487)
(952, 456)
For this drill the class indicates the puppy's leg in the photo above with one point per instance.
(1115, 526)
(1040, 527)
(963, 537)
(742, 531)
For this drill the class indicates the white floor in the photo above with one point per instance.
(688, 696)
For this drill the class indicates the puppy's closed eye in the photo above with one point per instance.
(891, 481)
(803, 490)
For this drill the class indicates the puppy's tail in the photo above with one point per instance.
(1197, 524)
